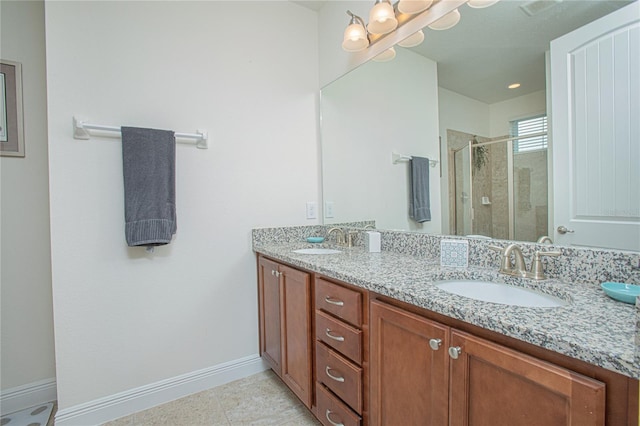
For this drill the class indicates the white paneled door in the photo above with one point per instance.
(595, 77)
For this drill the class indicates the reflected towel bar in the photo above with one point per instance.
(400, 158)
(81, 131)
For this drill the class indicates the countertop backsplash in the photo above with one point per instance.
(583, 265)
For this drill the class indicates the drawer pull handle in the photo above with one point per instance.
(327, 414)
(435, 344)
(336, 302)
(336, 378)
(331, 336)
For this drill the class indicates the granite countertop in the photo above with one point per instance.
(592, 327)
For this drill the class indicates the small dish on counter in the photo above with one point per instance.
(315, 239)
(620, 291)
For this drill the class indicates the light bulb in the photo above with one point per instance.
(355, 38)
(382, 18)
(413, 40)
(479, 4)
(386, 56)
(411, 7)
(447, 21)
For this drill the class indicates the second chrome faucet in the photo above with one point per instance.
(518, 267)
(343, 238)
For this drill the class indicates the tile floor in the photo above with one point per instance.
(261, 399)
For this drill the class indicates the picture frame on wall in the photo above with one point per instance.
(11, 124)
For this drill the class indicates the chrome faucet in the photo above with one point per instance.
(350, 235)
(339, 235)
(518, 268)
(537, 269)
(544, 239)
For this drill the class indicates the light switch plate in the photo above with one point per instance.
(312, 210)
(328, 209)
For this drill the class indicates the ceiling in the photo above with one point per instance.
(493, 47)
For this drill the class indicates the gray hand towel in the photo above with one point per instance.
(149, 161)
(419, 204)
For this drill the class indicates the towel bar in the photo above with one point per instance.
(81, 131)
(399, 158)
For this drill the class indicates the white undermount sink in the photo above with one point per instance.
(317, 251)
(500, 293)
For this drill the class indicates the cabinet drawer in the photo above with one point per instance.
(340, 375)
(339, 301)
(332, 411)
(342, 337)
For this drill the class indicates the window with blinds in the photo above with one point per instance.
(529, 126)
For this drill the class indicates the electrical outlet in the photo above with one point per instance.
(328, 209)
(312, 210)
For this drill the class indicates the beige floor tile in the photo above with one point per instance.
(199, 409)
(261, 399)
(123, 421)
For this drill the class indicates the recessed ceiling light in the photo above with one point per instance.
(514, 86)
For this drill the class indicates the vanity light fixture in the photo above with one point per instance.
(481, 4)
(382, 18)
(411, 7)
(355, 35)
(413, 40)
(447, 21)
(386, 56)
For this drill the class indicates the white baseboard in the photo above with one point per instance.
(128, 402)
(29, 395)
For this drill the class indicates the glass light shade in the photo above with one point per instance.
(355, 38)
(382, 19)
(412, 7)
(447, 21)
(413, 40)
(479, 4)
(386, 56)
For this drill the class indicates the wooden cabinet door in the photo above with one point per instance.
(269, 314)
(296, 332)
(408, 379)
(493, 385)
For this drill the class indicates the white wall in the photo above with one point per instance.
(366, 115)
(125, 318)
(27, 348)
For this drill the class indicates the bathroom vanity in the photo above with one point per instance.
(367, 338)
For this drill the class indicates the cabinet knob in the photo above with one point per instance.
(454, 352)
(336, 378)
(327, 414)
(334, 337)
(435, 344)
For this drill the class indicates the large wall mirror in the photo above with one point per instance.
(432, 101)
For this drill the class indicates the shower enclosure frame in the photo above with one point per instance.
(510, 184)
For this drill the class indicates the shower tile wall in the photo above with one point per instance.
(531, 195)
(499, 225)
